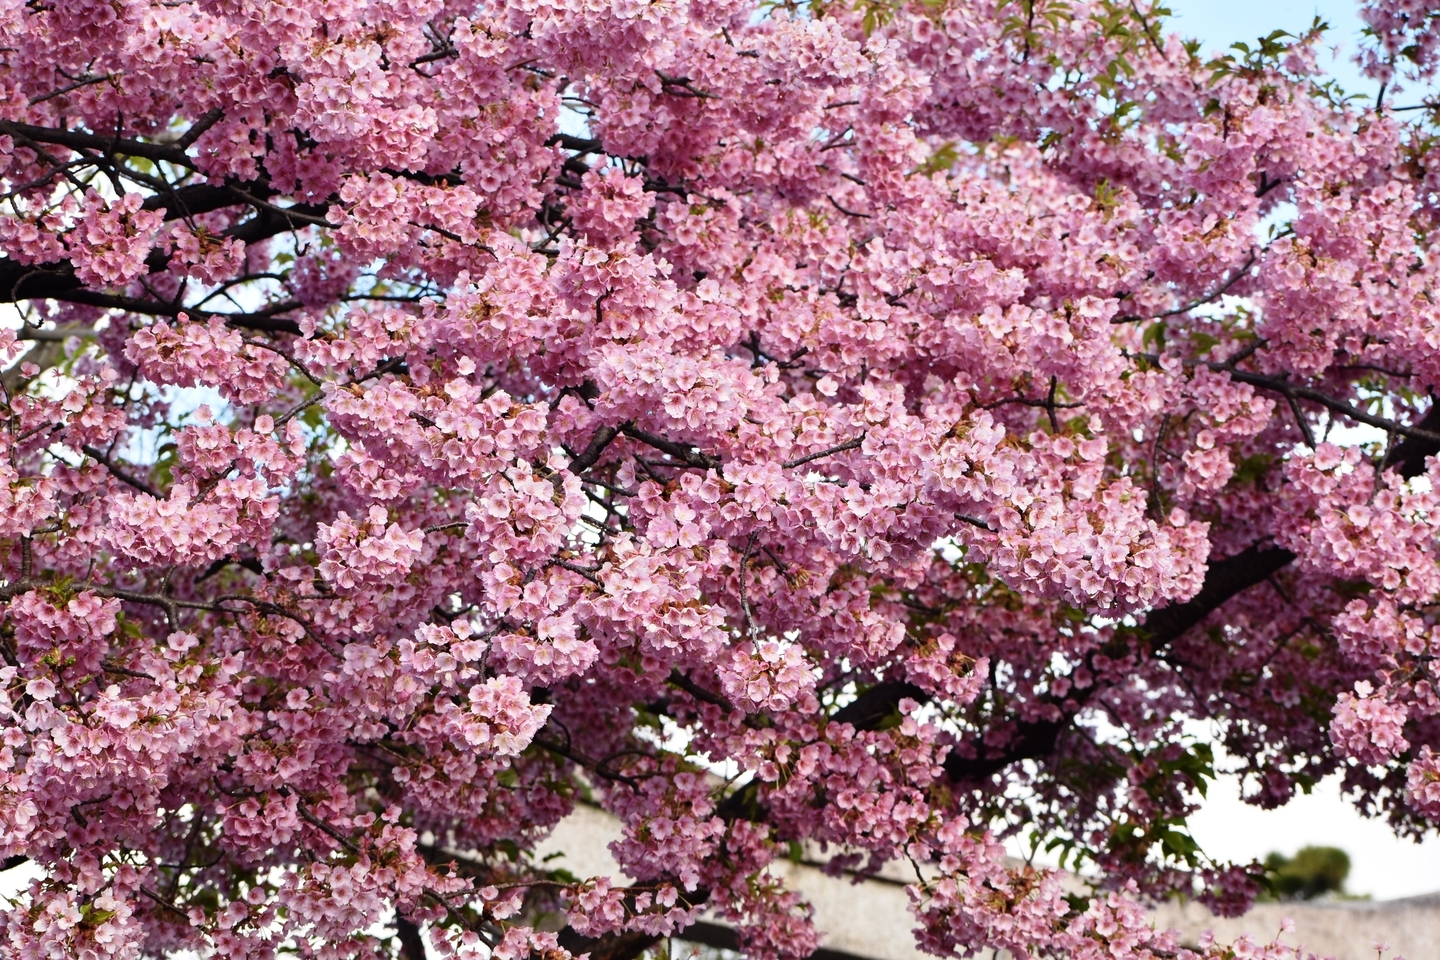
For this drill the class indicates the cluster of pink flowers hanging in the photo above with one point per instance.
(879, 428)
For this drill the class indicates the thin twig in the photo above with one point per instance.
(88, 81)
(1290, 390)
(577, 569)
(820, 454)
(118, 473)
(1200, 302)
(1300, 419)
(750, 625)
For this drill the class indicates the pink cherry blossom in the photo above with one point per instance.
(869, 431)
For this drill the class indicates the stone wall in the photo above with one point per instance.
(1343, 929)
(871, 921)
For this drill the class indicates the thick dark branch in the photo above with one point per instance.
(57, 281)
(588, 457)
(571, 142)
(679, 679)
(198, 128)
(268, 320)
(689, 455)
(869, 710)
(252, 564)
(625, 945)
(1032, 742)
(197, 198)
(1409, 454)
(1036, 740)
(81, 140)
(295, 216)
(412, 947)
(1223, 580)
(21, 281)
(271, 221)
(56, 335)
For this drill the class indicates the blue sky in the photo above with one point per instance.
(1219, 23)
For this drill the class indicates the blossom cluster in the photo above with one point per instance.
(858, 428)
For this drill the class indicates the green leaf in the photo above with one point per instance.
(1253, 468)
(1154, 336)
(1203, 341)
(941, 158)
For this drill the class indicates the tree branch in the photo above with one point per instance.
(267, 320)
(1223, 580)
(1294, 391)
(1409, 454)
(80, 140)
(588, 457)
(689, 455)
(624, 945)
(412, 947)
(869, 710)
(1037, 739)
(124, 477)
(1214, 294)
(820, 454)
(57, 280)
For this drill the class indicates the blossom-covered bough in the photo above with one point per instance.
(876, 429)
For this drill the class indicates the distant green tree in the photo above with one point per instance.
(1311, 872)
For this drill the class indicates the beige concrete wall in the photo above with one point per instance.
(1344, 930)
(871, 920)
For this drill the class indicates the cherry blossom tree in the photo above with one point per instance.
(872, 431)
